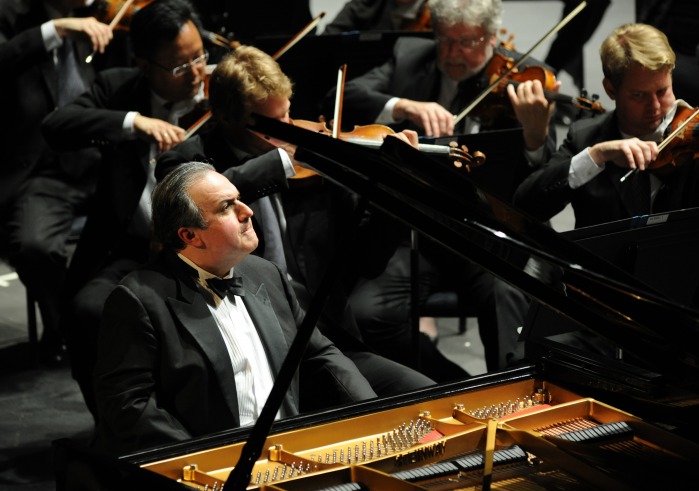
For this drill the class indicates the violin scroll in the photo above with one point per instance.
(461, 158)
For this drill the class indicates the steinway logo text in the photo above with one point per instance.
(420, 454)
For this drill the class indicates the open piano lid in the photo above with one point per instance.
(450, 208)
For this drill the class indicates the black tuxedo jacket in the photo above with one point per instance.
(605, 198)
(164, 373)
(28, 92)
(318, 217)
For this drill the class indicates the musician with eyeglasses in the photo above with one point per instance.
(428, 81)
(131, 115)
(423, 86)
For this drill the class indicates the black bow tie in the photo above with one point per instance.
(226, 286)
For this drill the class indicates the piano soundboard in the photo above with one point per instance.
(524, 435)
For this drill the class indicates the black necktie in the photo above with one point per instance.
(226, 286)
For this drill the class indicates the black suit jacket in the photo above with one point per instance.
(362, 15)
(164, 373)
(412, 73)
(605, 198)
(28, 92)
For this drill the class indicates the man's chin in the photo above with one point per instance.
(457, 74)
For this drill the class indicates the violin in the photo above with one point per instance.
(499, 72)
(371, 135)
(118, 13)
(510, 66)
(682, 144)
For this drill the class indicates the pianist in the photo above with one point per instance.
(180, 357)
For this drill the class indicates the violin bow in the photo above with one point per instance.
(309, 27)
(301, 34)
(492, 86)
(115, 21)
(666, 141)
(339, 98)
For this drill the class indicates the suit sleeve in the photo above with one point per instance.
(336, 379)
(546, 191)
(129, 414)
(255, 178)
(95, 119)
(24, 48)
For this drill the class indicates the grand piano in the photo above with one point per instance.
(617, 414)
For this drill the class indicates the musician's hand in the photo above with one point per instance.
(532, 110)
(100, 34)
(630, 153)
(430, 116)
(157, 131)
(408, 136)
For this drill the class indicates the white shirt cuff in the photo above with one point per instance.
(535, 157)
(583, 169)
(289, 170)
(386, 114)
(50, 36)
(128, 123)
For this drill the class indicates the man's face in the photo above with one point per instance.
(184, 49)
(275, 108)
(462, 50)
(642, 99)
(230, 236)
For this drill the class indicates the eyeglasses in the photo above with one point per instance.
(178, 71)
(464, 43)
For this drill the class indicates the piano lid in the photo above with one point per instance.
(451, 209)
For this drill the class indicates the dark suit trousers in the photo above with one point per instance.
(39, 229)
(382, 308)
(82, 323)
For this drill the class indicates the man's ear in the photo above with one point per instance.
(187, 235)
(609, 88)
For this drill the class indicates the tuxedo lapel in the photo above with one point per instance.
(262, 314)
(192, 312)
(260, 309)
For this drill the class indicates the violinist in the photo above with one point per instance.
(129, 115)
(298, 226)
(427, 82)
(587, 170)
(423, 86)
(41, 43)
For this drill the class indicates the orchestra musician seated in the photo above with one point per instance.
(609, 167)
(182, 351)
(130, 115)
(591, 169)
(41, 192)
(301, 222)
(424, 84)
